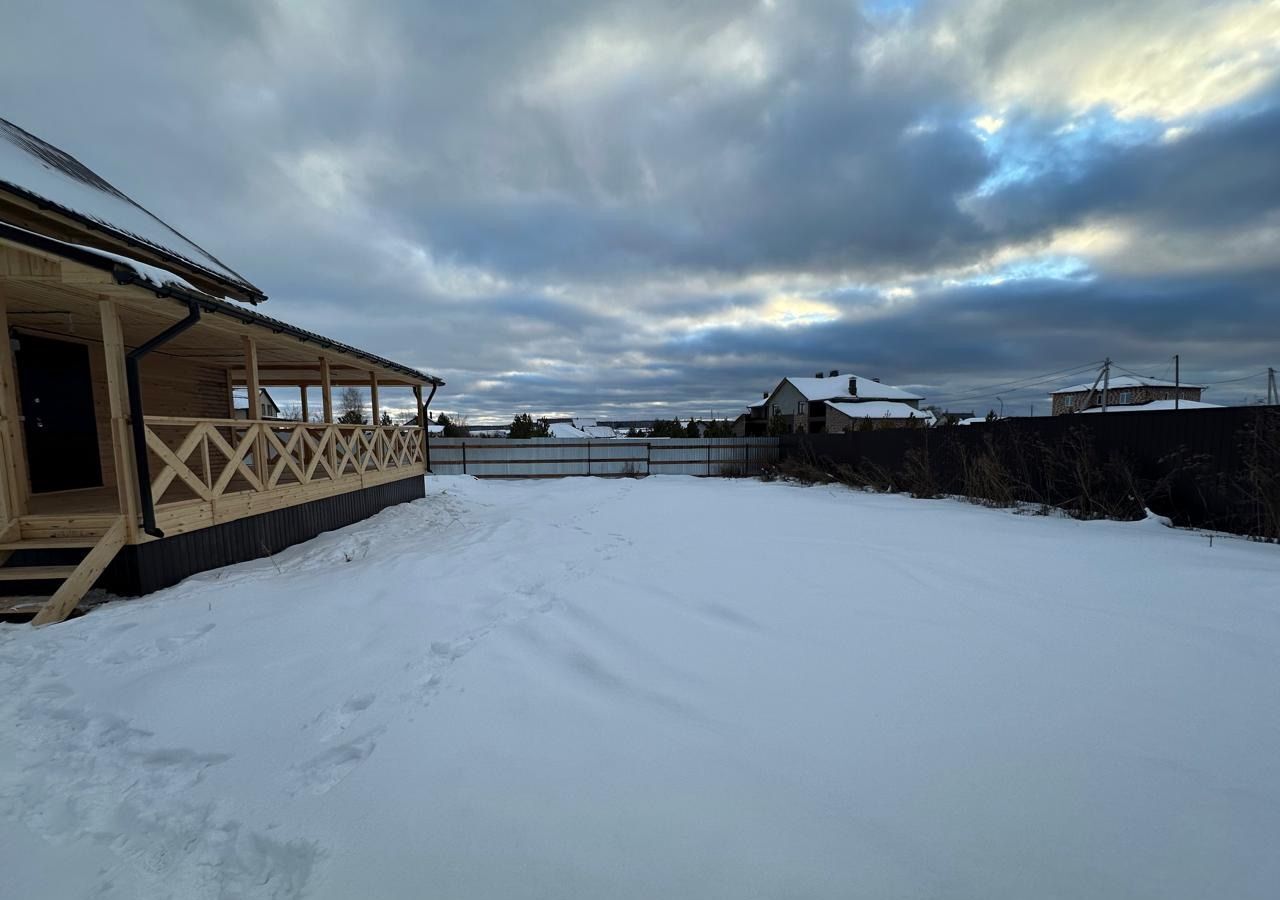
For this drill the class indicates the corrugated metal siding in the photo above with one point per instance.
(555, 458)
(149, 567)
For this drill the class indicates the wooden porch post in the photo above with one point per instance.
(302, 389)
(373, 398)
(326, 390)
(254, 413)
(118, 404)
(11, 442)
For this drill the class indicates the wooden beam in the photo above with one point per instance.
(373, 398)
(82, 578)
(113, 350)
(326, 387)
(302, 389)
(12, 445)
(254, 414)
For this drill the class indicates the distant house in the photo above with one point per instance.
(267, 407)
(565, 431)
(755, 421)
(836, 403)
(581, 429)
(873, 414)
(1124, 391)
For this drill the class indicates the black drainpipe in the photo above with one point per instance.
(135, 413)
(426, 427)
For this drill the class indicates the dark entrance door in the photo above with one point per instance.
(57, 405)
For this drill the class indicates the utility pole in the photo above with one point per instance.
(1106, 381)
(1273, 395)
(1177, 382)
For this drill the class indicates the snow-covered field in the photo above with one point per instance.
(663, 688)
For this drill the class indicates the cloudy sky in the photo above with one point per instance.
(628, 209)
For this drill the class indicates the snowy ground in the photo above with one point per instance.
(663, 688)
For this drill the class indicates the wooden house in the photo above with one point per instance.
(122, 462)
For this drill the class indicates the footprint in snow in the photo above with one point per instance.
(334, 721)
(326, 770)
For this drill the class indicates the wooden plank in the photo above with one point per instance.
(36, 573)
(251, 380)
(83, 577)
(162, 481)
(40, 527)
(306, 412)
(326, 390)
(235, 459)
(373, 399)
(285, 452)
(61, 543)
(176, 465)
(124, 465)
(12, 444)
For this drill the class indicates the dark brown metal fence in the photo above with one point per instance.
(1211, 468)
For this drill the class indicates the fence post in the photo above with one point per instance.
(708, 440)
(648, 458)
(588, 459)
(464, 457)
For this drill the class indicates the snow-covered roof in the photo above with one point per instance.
(1154, 405)
(837, 386)
(1123, 381)
(599, 431)
(565, 431)
(881, 409)
(40, 173)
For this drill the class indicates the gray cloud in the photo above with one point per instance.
(621, 208)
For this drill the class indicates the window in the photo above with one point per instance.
(777, 409)
(1123, 397)
(802, 408)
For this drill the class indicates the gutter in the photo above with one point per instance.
(426, 428)
(137, 423)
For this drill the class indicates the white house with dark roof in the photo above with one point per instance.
(837, 403)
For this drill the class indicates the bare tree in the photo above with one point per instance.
(352, 405)
(291, 412)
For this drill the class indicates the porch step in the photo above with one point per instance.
(59, 543)
(42, 528)
(75, 580)
(36, 573)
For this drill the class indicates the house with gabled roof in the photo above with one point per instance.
(122, 461)
(836, 403)
(1127, 391)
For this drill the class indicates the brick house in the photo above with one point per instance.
(1123, 390)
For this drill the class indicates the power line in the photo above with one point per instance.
(1261, 374)
(1019, 384)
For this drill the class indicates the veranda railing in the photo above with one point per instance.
(212, 458)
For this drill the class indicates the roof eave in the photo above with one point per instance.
(240, 290)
